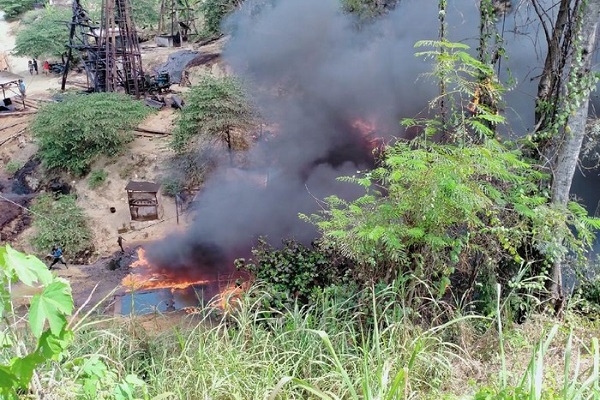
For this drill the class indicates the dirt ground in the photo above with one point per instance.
(144, 160)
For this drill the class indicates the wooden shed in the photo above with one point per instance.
(144, 200)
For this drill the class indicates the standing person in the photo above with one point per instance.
(120, 242)
(35, 66)
(22, 88)
(30, 66)
(57, 255)
(46, 68)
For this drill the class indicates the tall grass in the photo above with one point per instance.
(334, 349)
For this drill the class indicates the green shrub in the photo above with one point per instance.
(214, 108)
(294, 272)
(60, 220)
(71, 134)
(97, 178)
(12, 8)
(13, 166)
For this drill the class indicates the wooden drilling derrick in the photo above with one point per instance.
(110, 51)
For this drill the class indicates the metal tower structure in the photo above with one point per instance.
(109, 50)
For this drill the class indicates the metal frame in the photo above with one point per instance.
(110, 51)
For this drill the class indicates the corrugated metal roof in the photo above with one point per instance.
(8, 77)
(142, 187)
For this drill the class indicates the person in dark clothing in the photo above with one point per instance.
(35, 66)
(57, 255)
(120, 242)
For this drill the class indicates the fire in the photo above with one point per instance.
(368, 129)
(144, 276)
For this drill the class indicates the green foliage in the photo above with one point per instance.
(145, 13)
(214, 108)
(61, 221)
(431, 210)
(43, 33)
(214, 11)
(12, 8)
(26, 352)
(13, 166)
(97, 178)
(294, 272)
(71, 134)
(469, 111)
(366, 10)
(53, 304)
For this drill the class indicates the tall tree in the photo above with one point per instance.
(563, 103)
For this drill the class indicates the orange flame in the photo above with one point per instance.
(144, 276)
(368, 129)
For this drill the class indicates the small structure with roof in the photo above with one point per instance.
(9, 82)
(144, 200)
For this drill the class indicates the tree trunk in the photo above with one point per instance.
(559, 43)
(569, 145)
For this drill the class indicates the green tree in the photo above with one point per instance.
(214, 11)
(214, 109)
(145, 13)
(72, 133)
(43, 33)
(12, 8)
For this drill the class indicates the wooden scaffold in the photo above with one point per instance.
(109, 50)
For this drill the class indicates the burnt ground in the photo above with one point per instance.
(94, 283)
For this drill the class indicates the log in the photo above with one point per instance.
(13, 125)
(13, 136)
(144, 130)
(17, 113)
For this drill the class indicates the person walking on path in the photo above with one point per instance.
(120, 242)
(46, 68)
(35, 66)
(30, 66)
(57, 255)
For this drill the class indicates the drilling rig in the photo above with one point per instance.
(110, 50)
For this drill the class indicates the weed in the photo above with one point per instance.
(97, 178)
(13, 166)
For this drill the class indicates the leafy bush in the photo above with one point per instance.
(214, 108)
(431, 210)
(294, 272)
(60, 220)
(12, 8)
(71, 134)
(43, 33)
(97, 178)
(13, 166)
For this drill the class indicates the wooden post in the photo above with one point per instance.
(177, 207)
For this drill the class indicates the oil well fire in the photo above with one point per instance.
(150, 287)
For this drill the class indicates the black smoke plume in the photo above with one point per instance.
(313, 71)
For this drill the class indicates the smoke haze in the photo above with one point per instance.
(312, 74)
